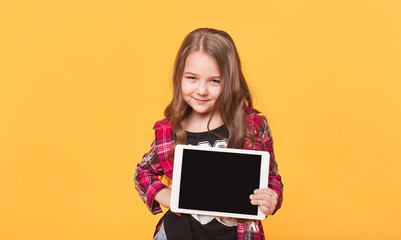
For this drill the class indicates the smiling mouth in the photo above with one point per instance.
(201, 100)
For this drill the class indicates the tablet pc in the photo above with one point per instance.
(218, 181)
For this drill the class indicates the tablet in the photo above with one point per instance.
(218, 181)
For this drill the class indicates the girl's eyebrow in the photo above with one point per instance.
(189, 73)
(196, 74)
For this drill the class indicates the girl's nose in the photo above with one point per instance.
(202, 89)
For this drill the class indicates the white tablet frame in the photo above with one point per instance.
(263, 182)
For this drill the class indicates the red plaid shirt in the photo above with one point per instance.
(156, 163)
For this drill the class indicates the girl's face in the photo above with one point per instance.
(201, 82)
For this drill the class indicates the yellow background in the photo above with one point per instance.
(82, 83)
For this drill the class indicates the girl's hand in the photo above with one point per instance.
(164, 197)
(266, 198)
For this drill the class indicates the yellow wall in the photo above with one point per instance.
(82, 82)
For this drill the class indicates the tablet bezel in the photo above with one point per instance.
(174, 202)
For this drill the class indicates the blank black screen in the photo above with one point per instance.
(217, 181)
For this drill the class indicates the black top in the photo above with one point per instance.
(203, 138)
(186, 227)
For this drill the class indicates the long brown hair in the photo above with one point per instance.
(235, 96)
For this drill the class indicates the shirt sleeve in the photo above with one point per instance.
(274, 177)
(147, 182)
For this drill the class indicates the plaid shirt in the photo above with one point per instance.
(156, 163)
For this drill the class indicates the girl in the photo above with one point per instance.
(211, 105)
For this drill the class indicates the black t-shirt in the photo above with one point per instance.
(186, 227)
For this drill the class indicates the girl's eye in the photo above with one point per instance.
(215, 81)
(192, 78)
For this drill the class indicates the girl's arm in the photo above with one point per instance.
(274, 194)
(147, 181)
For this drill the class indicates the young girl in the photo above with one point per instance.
(211, 105)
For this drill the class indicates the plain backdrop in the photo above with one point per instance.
(82, 82)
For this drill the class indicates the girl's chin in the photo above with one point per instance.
(201, 112)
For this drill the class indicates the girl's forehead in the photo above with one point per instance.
(200, 54)
(201, 61)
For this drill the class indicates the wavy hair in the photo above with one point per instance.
(235, 96)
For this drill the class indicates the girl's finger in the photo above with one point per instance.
(263, 197)
(267, 191)
(267, 211)
(261, 203)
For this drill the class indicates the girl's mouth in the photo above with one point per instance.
(201, 100)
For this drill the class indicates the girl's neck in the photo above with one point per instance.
(195, 122)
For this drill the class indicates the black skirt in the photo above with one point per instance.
(186, 227)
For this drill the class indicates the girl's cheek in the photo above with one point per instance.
(216, 92)
(187, 87)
